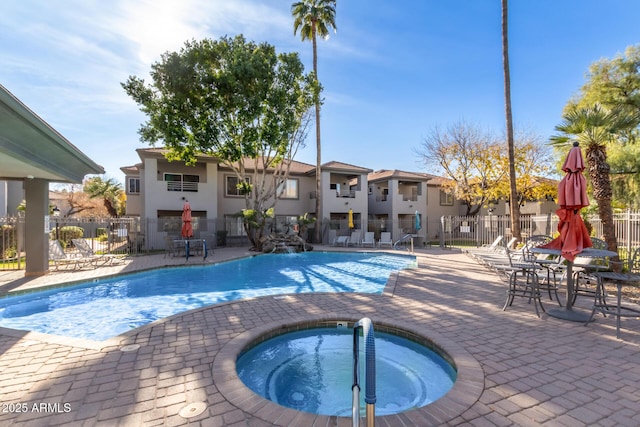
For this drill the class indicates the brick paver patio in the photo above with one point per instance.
(534, 371)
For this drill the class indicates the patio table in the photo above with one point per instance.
(599, 303)
(192, 246)
(567, 312)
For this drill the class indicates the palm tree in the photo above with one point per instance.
(108, 189)
(514, 204)
(594, 127)
(314, 18)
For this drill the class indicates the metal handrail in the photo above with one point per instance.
(370, 373)
(402, 239)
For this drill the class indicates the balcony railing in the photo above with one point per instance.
(350, 194)
(182, 186)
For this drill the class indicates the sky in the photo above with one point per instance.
(392, 72)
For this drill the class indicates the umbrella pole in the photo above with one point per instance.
(567, 312)
(569, 302)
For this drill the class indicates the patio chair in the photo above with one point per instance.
(62, 259)
(332, 237)
(369, 239)
(169, 247)
(522, 275)
(491, 258)
(493, 246)
(511, 242)
(87, 253)
(341, 241)
(196, 247)
(555, 267)
(356, 238)
(628, 275)
(385, 239)
(585, 271)
(498, 257)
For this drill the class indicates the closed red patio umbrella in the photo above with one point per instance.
(572, 196)
(187, 229)
(574, 237)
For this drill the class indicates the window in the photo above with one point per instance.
(232, 189)
(181, 182)
(446, 199)
(133, 185)
(288, 189)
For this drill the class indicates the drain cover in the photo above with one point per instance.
(130, 347)
(192, 410)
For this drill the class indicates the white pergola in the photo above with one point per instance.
(35, 153)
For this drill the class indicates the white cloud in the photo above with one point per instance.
(153, 27)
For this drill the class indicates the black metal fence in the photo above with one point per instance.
(461, 231)
(133, 236)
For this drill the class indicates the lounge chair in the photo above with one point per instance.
(511, 242)
(495, 245)
(62, 259)
(369, 239)
(355, 238)
(87, 253)
(489, 251)
(385, 239)
(341, 241)
(332, 237)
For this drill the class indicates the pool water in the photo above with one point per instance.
(312, 371)
(106, 308)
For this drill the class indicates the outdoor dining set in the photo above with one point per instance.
(573, 256)
(534, 271)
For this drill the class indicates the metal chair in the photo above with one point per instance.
(629, 276)
(523, 279)
(585, 269)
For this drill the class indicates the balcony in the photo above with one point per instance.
(348, 194)
(182, 186)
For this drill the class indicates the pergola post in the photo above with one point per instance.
(36, 243)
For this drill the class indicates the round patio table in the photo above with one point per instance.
(567, 312)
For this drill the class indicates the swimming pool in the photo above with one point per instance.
(102, 309)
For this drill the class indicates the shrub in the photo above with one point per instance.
(7, 241)
(66, 233)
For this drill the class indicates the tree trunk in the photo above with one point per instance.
(599, 174)
(109, 207)
(514, 206)
(318, 227)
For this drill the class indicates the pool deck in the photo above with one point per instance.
(536, 371)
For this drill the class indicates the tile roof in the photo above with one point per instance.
(339, 166)
(384, 174)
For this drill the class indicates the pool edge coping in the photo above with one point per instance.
(465, 392)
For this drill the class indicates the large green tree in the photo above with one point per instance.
(594, 127)
(615, 84)
(514, 208)
(236, 100)
(315, 18)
